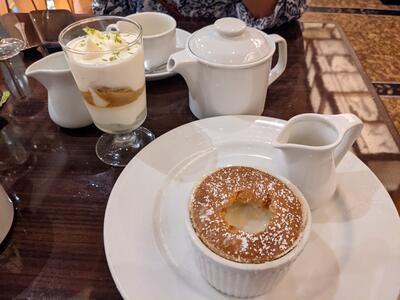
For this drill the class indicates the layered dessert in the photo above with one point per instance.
(109, 71)
(246, 215)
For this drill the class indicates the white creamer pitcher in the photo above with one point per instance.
(66, 107)
(313, 145)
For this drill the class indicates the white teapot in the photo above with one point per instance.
(227, 67)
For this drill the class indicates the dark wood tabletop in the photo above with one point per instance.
(60, 188)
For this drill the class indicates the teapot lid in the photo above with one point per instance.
(229, 42)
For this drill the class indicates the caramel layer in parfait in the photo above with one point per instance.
(113, 97)
(221, 189)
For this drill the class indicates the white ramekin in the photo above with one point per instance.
(241, 279)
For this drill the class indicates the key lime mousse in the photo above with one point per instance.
(108, 69)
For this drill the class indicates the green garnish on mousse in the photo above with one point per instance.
(115, 36)
(89, 30)
(114, 56)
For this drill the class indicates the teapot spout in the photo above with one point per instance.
(184, 63)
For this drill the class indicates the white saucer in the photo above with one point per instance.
(181, 38)
(354, 247)
(6, 213)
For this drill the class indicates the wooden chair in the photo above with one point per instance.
(25, 6)
(76, 6)
(4, 7)
(78, 17)
(64, 4)
(19, 25)
(82, 6)
(49, 23)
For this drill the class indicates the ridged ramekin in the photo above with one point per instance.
(242, 279)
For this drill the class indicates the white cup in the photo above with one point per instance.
(159, 37)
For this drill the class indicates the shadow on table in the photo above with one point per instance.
(19, 252)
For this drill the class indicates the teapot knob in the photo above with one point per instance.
(230, 26)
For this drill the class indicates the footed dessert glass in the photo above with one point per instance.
(105, 55)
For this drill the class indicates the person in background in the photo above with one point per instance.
(261, 14)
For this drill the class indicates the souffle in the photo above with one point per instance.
(246, 215)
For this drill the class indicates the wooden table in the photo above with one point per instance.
(60, 188)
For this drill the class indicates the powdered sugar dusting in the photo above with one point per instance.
(215, 193)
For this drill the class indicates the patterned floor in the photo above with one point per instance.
(373, 30)
(371, 4)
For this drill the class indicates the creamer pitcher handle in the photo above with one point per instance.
(349, 128)
(282, 60)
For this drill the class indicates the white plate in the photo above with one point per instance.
(6, 213)
(353, 251)
(181, 38)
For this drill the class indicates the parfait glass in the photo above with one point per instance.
(105, 55)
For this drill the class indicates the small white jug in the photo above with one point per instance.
(313, 145)
(66, 107)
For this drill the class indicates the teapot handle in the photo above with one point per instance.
(349, 128)
(280, 66)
